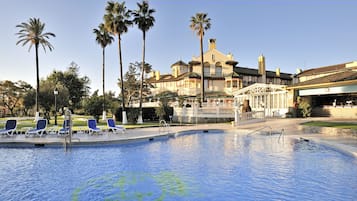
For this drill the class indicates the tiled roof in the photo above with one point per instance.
(234, 75)
(170, 78)
(326, 69)
(179, 63)
(254, 72)
(333, 78)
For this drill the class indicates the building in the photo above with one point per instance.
(222, 76)
(330, 90)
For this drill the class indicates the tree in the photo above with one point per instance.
(112, 102)
(103, 38)
(12, 94)
(144, 19)
(304, 106)
(77, 86)
(93, 105)
(132, 83)
(116, 21)
(199, 24)
(29, 100)
(33, 33)
(47, 97)
(163, 111)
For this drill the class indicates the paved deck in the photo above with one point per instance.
(347, 144)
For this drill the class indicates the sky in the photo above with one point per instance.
(290, 34)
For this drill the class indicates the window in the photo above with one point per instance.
(235, 83)
(207, 69)
(218, 69)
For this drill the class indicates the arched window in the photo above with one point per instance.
(218, 69)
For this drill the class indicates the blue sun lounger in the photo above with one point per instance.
(10, 127)
(40, 128)
(92, 126)
(65, 128)
(113, 127)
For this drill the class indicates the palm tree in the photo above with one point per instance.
(33, 33)
(199, 24)
(103, 38)
(116, 21)
(144, 19)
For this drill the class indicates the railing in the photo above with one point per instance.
(67, 143)
(164, 127)
(281, 134)
(260, 129)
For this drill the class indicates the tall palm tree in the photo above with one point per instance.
(32, 32)
(103, 38)
(116, 21)
(144, 19)
(199, 24)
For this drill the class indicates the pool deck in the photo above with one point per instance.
(345, 143)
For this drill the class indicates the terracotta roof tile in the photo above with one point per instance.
(326, 69)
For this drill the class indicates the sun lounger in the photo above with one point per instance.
(65, 128)
(92, 126)
(10, 127)
(40, 128)
(113, 127)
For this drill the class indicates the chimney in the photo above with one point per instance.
(277, 72)
(212, 44)
(157, 74)
(261, 68)
(261, 65)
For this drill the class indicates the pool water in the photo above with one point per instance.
(202, 166)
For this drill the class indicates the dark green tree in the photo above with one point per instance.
(116, 21)
(199, 24)
(93, 105)
(47, 96)
(77, 86)
(144, 19)
(163, 111)
(32, 32)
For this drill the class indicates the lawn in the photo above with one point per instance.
(332, 124)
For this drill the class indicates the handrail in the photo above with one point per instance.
(259, 129)
(281, 135)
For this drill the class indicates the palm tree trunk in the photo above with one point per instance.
(37, 80)
(202, 72)
(104, 84)
(140, 119)
(124, 119)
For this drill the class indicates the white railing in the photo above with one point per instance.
(250, 117)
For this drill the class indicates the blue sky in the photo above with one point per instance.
(290, 33)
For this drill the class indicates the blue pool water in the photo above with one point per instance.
(204, 166)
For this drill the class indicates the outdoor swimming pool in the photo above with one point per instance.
(203, 166)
